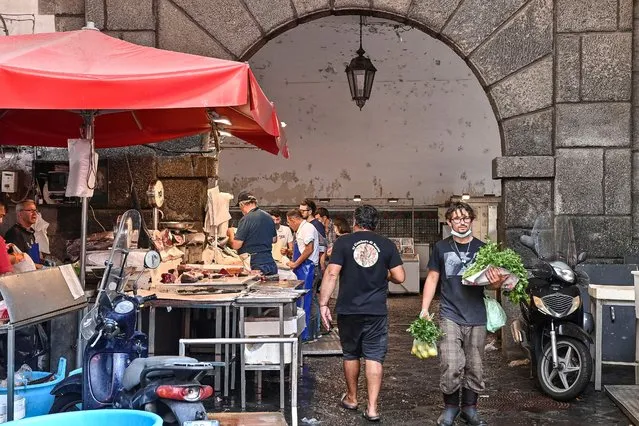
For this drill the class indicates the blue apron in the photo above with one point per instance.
(34, 253)
(306, 273)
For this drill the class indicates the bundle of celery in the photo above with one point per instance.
(425, 334)
(508, 262)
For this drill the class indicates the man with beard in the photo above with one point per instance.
(463, 317)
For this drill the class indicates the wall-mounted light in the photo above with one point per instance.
(222, 120)
(225, 133)
(393, 200)
(357, 198)
(465, 197)
(324, 200)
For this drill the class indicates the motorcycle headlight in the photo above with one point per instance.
(542, 306)
(557, 305)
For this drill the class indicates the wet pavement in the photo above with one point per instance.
(410, 392)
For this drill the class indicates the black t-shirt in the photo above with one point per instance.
(365, 258)
(21, 237)
(257, 230)
(460, 303)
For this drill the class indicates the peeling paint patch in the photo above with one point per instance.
(344, 175)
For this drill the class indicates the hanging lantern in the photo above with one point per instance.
(360, 73)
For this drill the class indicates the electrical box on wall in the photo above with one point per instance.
(9, 182)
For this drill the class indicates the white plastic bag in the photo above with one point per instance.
(495, 315)
(26, 265)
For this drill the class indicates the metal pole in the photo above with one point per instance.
(294, 371)
(282, 360)
(88, 134)
(11, 353)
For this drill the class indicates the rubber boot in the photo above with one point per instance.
(469, 412)
(451, 409)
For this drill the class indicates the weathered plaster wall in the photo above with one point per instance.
(24, 17)
(427, 132)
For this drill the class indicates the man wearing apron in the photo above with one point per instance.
(305, 259)
(255, 235)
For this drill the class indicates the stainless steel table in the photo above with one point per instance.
(272, 297)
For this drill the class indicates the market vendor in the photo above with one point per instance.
(305, 261)
(255, 235)
(22, 234)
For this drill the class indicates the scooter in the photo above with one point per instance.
(555, 326)
(117, 372)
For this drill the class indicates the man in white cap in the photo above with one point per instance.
(255, 234)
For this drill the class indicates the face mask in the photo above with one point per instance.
(459, 235)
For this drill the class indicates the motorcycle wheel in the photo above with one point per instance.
(66, 402)
(572, 376)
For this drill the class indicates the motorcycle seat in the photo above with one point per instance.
(132, 373)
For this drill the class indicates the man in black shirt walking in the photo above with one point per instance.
(364, 262)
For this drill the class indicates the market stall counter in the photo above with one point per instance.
(222, 295)
(32, 298)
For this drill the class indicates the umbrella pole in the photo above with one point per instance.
(88, 130)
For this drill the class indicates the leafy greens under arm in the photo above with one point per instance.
(491, 255)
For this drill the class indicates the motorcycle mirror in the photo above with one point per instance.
(542, 270)
(152, 259)
(581, 257)
(528, 241)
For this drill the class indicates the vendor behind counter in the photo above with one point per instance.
(255, 235)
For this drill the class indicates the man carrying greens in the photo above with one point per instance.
(463, 317)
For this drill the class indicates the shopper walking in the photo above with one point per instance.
(463, 317)
(364, 261)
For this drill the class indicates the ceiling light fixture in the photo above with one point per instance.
(393, 200)
(465, 197)
(357, 198)
(360, 73)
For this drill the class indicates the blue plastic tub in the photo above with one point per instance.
(95, 418)
(38, 398)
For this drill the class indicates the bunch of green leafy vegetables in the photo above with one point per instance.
(491, 254)
(425, 330)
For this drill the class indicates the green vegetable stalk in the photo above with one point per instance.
(426, 334)
(491, 255)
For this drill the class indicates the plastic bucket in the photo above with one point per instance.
(38, 397)
(95, 418)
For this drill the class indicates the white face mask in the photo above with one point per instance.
(460, 235)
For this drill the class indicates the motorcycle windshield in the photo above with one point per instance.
(554, 238)
(127, 232)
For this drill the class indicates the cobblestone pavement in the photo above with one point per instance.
(410, 393)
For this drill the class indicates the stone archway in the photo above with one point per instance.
(558, 74)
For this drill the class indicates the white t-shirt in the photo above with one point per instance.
(284, 235)
(304, 235)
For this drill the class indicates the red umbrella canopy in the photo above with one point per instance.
(138, 94)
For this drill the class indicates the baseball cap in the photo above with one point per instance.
(245, 196)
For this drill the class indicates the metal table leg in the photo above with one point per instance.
(234, 347)
(242, 361)
(151, 330)
(282, 360)
(227, 359)
(218, 347)
(598, 342)
(11, 353)
(294, 370)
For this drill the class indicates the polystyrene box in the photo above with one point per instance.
(270, 326)
(266, 353)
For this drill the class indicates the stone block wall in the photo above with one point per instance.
(559, 74)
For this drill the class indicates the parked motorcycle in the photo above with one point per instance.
(117, 372)
(555, 326)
